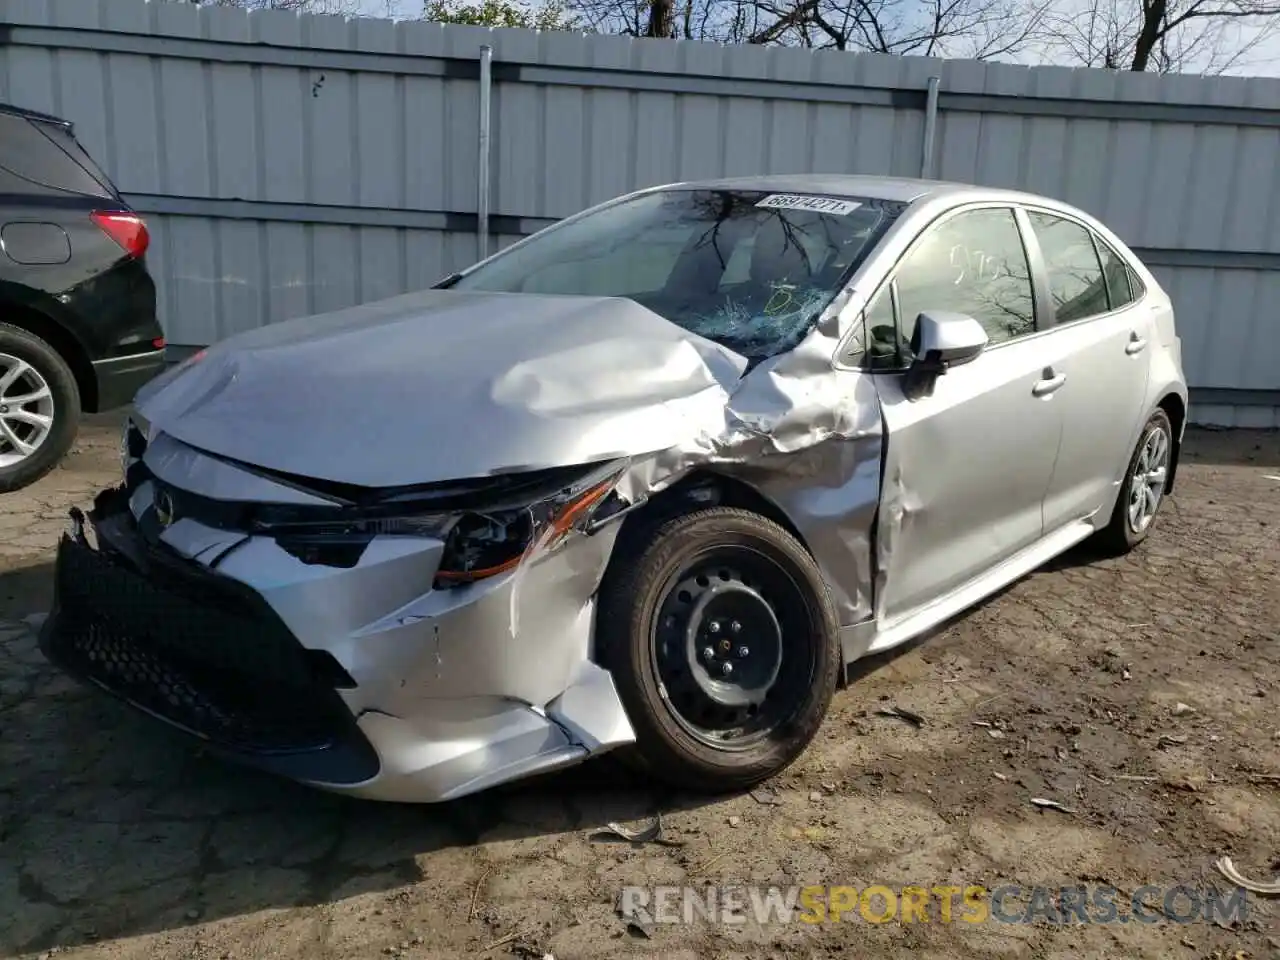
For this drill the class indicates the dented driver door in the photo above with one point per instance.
(966, 468)
(965, 475)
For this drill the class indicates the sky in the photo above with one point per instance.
(1263, 60)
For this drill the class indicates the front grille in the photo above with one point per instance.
(193, 648)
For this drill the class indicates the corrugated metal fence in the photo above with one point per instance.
(292, 164)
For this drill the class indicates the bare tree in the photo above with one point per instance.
(973, 29)
(1161, 36)
(661, 19)
(959, 28)
(343, 7)
(1207, 36)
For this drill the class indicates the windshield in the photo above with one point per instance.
(748, 269)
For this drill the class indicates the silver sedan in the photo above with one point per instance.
(649, 480)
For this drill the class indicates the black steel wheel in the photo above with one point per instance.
(718, 642)
(723, 642)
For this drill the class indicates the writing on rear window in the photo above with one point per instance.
(793, 201)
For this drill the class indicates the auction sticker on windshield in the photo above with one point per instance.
(792, 201)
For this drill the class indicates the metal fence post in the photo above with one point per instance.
(482, 166)
(930, 128)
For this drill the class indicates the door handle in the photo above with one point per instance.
(1050, 384)
(1136, 344)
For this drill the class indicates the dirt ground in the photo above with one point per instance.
(119, 841)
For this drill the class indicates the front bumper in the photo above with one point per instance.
(207, 654)
(120, 378)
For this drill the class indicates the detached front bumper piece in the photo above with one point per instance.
(207, 654)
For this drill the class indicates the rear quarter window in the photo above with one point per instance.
(1123, 285)
(31, 152)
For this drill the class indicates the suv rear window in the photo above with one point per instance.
(48, 156)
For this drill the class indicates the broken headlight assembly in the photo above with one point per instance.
(486, 543)
(484, 537)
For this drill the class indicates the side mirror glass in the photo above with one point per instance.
(940, 341)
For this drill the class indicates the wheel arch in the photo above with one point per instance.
(1176, 409)
(41, 323)
(699, 489)
(706, 488)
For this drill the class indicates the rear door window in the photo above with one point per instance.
(48, 156)
(1075, 274)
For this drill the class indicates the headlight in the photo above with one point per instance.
(483, 545)
(479, 542)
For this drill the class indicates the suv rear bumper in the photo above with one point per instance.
(120, 378)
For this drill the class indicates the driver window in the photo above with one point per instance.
(975, 264)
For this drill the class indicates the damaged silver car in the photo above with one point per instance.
(648, 480)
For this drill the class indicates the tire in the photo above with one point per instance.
(17, 346)
(1121, 534)
(749, 560)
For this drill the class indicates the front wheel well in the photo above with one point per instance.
(63, 343)
(1176, 410)
(702, 489)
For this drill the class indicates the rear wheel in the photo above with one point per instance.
(724, 645)
(39, 408)
(1142, 491)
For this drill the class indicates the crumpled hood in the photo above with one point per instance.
(441, 385)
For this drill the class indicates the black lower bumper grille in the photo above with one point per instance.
(192, 648)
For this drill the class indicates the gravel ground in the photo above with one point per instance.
(118, 840)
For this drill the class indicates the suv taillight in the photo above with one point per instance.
(126, 229)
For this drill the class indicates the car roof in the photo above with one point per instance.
(17, 111)
(900, 189)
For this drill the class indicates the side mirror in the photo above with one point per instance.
(941, 340)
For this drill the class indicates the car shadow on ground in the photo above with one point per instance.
(113, 826)
(265, 846)
(26, 590)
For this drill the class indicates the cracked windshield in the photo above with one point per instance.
(747, 269)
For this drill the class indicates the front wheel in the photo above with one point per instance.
(724, 645)
(1142, 490)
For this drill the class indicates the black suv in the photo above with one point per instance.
(78, 329)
